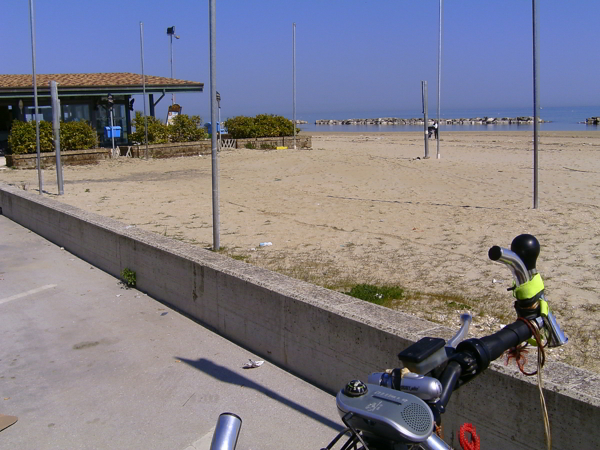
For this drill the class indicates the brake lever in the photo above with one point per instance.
(465, 321)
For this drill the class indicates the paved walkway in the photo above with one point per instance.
(88, 364)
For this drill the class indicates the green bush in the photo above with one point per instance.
(77, 136)
(263, 125)
(186, 129)
(22, 140)
(240, 127)
(157, 131)
(183, 129)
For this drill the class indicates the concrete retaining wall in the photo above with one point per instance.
(323, 336)
(67, 157)
(170, 150)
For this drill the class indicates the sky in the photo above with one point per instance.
(352, 57)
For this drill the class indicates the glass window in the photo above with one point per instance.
(44, 113)
(76, 113)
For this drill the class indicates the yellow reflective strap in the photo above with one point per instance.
(529, 289)
(544, 308)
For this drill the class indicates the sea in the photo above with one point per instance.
(557, 118)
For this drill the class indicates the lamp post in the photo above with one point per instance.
(219, 122)
(171, 34)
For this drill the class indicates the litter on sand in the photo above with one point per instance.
(252, 364)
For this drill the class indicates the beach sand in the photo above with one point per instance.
(367, 208)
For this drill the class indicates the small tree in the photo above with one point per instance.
(186, 129)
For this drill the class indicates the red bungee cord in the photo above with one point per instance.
(464, 443)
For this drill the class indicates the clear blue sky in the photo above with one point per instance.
(352, 56)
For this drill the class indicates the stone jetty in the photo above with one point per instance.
(593, 120)
(420, 121)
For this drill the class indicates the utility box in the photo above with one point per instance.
(110, 132)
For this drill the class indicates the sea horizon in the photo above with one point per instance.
(557, 118)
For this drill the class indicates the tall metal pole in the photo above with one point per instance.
(294, 83)
(35, 98)
(112, 130)
(171, 52)
(56, 128)
(219, 122)
(213, 121)
(425, 117)
(439, 78)
(536, 93)
(144, 85)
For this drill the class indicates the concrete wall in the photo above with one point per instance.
(323, 336)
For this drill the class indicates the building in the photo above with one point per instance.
(84, 96)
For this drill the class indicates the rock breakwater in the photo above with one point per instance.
(420, 121)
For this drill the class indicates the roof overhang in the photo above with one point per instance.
(93, 85)
(97, 91)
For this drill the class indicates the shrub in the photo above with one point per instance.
(240, 127)
(157, 131)
(77, 136)
(263, 125)
(22, 140)
(186, 129)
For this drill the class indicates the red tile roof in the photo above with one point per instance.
(91, 80)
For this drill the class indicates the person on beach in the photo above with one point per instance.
(432, 130)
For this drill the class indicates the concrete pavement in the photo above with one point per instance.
(86, 363)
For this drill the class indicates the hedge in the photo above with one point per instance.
(73, 136)
(263, 125)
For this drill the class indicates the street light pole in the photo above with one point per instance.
(536, 98)
(439, 78)
(294, 81)
(213, 120)
(35, 98)
(171, 33)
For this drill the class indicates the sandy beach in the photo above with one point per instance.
(367, 208)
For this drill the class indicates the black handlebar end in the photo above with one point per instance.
(495, 253)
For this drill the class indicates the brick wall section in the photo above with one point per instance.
(287, 141)
(172, 150)
(48, 159)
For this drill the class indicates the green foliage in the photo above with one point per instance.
(240, 127)
(22, 139)
(186, 129)
(263, 125)
(157, 131)
(376, 294)
(183, 129)
(129, 277)
(77, 136)
(250, 145)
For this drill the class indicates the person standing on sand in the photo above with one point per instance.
(432, 130)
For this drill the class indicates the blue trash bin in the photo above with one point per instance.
(108, 133)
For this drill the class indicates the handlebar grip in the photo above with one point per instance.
(491, 347)
(508, 337)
